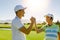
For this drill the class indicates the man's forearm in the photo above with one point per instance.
(36, 28)
(29, 28)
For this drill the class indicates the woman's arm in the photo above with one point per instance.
(37, 30)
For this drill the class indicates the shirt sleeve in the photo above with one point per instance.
(18, 24)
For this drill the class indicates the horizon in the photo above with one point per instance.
(24, 21)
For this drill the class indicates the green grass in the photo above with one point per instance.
(34, 36)
(7, 35)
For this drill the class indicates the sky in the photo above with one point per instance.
(35, 8)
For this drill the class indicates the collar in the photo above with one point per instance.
(18, 17)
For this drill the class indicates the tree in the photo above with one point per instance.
(58, 23)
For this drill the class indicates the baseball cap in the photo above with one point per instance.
(49, 15)
(19, 7)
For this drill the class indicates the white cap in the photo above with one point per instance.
(49, 15)
(18, 7)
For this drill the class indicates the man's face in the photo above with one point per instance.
(21, 12)
(48, 19)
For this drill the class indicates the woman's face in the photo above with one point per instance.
(48, 19)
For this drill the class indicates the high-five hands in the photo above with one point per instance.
(33, 20)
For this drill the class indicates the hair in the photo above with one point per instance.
(17, 11)
(52, 18)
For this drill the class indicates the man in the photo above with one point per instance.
(18, 29)
(51, 29)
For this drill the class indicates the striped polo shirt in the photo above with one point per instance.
(51, 32)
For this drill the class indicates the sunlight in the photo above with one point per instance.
(36, 8)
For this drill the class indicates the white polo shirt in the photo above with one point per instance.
(16, 34)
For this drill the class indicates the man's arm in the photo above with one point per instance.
(27, 31)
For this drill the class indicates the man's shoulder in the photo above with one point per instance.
(15, 19)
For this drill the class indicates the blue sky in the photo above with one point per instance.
(7, 9)
(55, 9)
